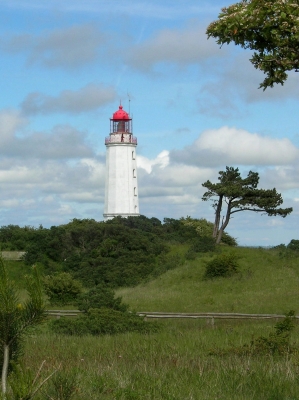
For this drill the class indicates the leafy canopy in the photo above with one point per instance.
(270, 28)
(240, 194)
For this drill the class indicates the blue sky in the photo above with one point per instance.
(66, 65)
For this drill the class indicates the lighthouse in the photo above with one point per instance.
(121, 189)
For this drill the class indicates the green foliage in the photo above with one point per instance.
(286, 326)
(118, 252)
(61, 288)
(23, 385)
(223, 265)
(101, 322)
(203, 244)
(228, 240)
(289, 252)
(270, 28)
(100, 296)
(17, 318)
(166, 262)
(13, 237)
(64, 385)
(177, 231)
(21, 382)
(240, 195)
(204, 229)
(276, 343)
(293, 245)
(202, 226)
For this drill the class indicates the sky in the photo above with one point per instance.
(65, 67)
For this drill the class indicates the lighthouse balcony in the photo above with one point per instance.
(121, 138)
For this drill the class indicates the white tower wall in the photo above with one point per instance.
(121, 192)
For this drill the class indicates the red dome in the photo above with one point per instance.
(121, 114)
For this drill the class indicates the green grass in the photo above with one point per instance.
(177, 363)
(265, 284)
(173, 364)
(17, 270)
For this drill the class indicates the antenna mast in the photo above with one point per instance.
(129, 103)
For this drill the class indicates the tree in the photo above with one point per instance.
(204, 229)
(240, 195)
(17, 318)
(269, 27)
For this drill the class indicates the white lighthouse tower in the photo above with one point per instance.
(121, 191)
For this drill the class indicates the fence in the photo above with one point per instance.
(208, 316)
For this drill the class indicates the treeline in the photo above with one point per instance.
(118, 252)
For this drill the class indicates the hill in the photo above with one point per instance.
(267, 283)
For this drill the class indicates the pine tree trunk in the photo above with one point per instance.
(217, 217)
(224, 224)
(5, 368)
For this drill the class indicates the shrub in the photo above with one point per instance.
(62, 288)
(103, 321)
(100, 296)
(276, 343)
(223, 265)
(290, 251)
(293, 245)
(228, 240)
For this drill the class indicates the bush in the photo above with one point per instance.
(276, 343)
(228, 240)
(223, 265)
(290, 251)
(293, 245)
(103, 321)
(62, 288)
(100, 296)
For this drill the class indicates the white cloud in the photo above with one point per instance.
(69, 47)
(226, 146)
(224, 93)
(162, 160)
(11, 122)
(90, 97)
(284, 177)
(181, 46)
(62, 142)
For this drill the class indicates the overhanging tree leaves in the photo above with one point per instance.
(239, 194)
(269, 27)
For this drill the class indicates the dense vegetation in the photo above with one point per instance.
(119, 252)
(183, 359)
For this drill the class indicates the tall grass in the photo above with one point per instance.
(266, 284)
(173, 364)
(181, 362)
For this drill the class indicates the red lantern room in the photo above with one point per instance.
(120, 122)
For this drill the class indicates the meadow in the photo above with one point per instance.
(186, 359)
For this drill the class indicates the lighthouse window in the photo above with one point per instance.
(134, 173)
(133, 155)
(135, 191)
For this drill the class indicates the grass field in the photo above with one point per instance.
(181, 361)
(173, 365)
(266, 284)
